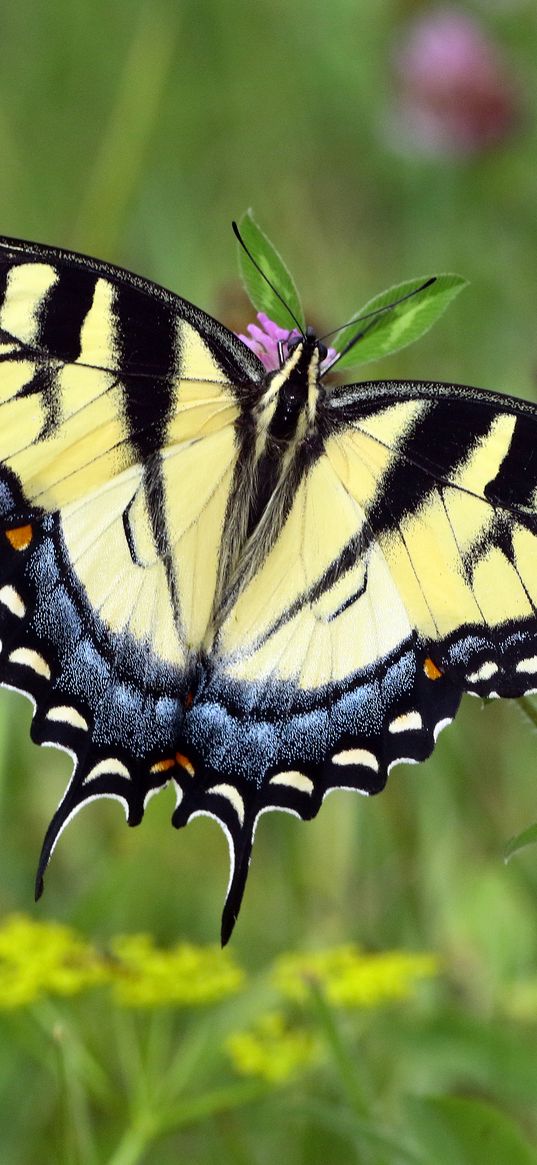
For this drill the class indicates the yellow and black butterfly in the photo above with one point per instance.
(254, 585)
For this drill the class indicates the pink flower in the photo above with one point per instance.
(264, 341)
(456, 95)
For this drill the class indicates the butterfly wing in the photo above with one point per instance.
(455, 513)
(115, 397)
(404, 573)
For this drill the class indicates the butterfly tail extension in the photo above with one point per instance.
(236, 811)
(240, 852)
(81, 792)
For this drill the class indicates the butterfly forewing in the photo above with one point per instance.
(113, 401)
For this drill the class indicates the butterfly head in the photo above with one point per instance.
(309, 343)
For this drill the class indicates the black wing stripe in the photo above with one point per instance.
(511, 486)
(62, 314)
(4, 277)
(44, 383)
(146, 339)
(409, 478)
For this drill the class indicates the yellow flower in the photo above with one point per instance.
(352, 978)
(183, 975)
(43, 958)
(271, 1050)
(48, 958)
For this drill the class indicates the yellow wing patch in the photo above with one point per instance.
(443, 557)
(27, 286)
(325, 630)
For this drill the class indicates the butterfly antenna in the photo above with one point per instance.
(373, 316)
(264, 276)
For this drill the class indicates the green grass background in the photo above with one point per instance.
(136, 132)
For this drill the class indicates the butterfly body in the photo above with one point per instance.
(256, 586)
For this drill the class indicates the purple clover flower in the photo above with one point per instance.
(456, 95)
(264, 342)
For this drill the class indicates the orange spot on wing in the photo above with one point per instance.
(171, 762)
(431, 670)
(185, 763)
(162, 766)
(20, 537)
(188, 700)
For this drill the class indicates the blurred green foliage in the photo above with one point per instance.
(136, 131)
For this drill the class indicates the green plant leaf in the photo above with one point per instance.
(450, 1130)
(273, 266)
(398, 326)
(452, 1043)
(520, 841)
(528, 708)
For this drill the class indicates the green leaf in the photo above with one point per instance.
(453, 1131)
(520, 841)
(528, 708)
(452, 1043)
(401, 325)
(273, 266)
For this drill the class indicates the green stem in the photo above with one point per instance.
(130, 1058)
(387, 1143)
(149, 1127)
(220, 1100)
(133, 1145)
(341, 1055)
(361, 1122)
(80, 1142)
(126, 136)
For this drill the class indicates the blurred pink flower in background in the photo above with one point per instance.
(455, 92)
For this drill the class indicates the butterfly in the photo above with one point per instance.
(257, 586)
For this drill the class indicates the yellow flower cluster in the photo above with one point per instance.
(349, 977)
(44, 958)
(183, 975)
(271, 1050)
(47, 958)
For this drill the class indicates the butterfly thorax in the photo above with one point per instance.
(285, 418)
